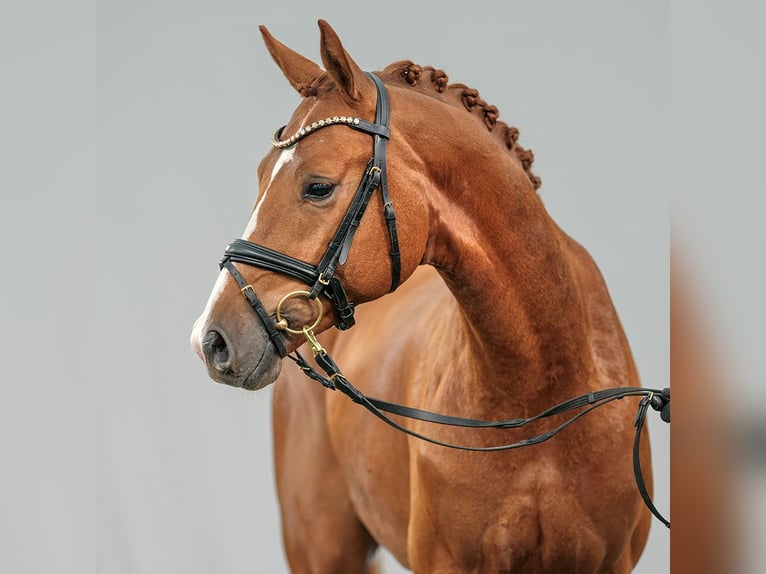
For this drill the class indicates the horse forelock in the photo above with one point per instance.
(434, 82)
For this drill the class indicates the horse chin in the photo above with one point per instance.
(265, 372)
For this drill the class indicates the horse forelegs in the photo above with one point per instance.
(326, 540)
(321, 531)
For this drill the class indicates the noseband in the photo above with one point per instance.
(321, 278)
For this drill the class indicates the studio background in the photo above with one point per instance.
(186, 97)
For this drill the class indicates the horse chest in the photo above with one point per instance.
(374, 462)
(515, 521)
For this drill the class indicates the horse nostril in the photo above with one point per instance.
(216, 351)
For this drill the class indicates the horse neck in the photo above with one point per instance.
(511, 272)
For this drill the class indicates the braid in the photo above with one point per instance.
(412, 72)
(434, 82)
(511, 136)
(526, 157)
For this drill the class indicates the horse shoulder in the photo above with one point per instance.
(381, 357)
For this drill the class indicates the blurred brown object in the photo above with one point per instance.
(703, 471)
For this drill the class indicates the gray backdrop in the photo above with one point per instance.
(122, 252)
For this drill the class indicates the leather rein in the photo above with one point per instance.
(322, 280)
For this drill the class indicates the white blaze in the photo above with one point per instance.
(202, 321)
(225, 276)
(284, 158)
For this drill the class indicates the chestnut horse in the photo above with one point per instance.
(499, 314)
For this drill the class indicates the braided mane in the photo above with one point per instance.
(433, 82)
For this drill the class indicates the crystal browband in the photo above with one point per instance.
(303, 132)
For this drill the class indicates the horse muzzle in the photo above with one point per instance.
(247, 361)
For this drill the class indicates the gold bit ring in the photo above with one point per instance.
(282, 323)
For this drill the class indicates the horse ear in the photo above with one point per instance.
(348, 76)
(299, 70)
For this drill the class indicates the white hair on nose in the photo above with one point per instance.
(284, 157)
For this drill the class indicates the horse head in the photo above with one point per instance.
(309, 183)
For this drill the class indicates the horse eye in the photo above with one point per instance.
(318, 190)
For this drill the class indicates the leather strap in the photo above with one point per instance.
(250, 253)
(382, 114)
(340, 244)
(243, 251)
(249, 294)
(662, 405)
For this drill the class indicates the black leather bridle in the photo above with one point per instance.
(322, 280)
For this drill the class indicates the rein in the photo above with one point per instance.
(658, 399)
(322, 281)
